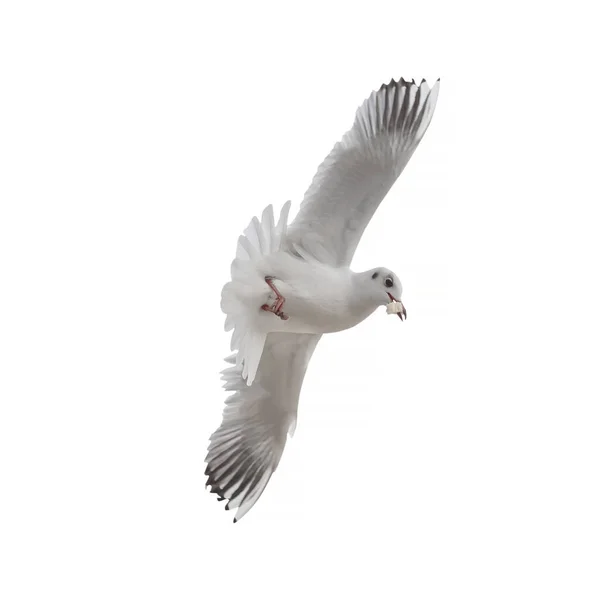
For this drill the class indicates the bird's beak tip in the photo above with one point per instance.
(402, 313)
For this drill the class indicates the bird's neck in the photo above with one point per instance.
(362, 295)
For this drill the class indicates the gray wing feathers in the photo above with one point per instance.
(362, 167)
(245, 450)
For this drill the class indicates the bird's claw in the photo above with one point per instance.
(278, 304)
(276, 311)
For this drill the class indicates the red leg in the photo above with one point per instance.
(279, 301)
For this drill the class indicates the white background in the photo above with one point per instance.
(455, 455)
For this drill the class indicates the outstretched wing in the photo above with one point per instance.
(359, 171)
(245, 450)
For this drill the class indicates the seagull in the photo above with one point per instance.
(290, 284)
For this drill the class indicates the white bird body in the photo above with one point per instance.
(290, 285)
(318, 298)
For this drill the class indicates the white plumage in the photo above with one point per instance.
(307, 265)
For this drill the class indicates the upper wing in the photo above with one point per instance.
(359, 171)
(245, 450)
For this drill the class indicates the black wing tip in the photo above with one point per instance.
(216, 489)
(222, 498)
(214, 486)
(405, 83)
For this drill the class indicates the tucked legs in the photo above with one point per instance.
(279, 301)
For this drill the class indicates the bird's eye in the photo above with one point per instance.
(389, 282)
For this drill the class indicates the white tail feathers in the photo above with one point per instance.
(263, 237)
(243, 296)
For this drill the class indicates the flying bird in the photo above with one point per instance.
(291, 283)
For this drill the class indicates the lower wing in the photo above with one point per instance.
(245, 450)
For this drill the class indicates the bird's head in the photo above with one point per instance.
(384, 287)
